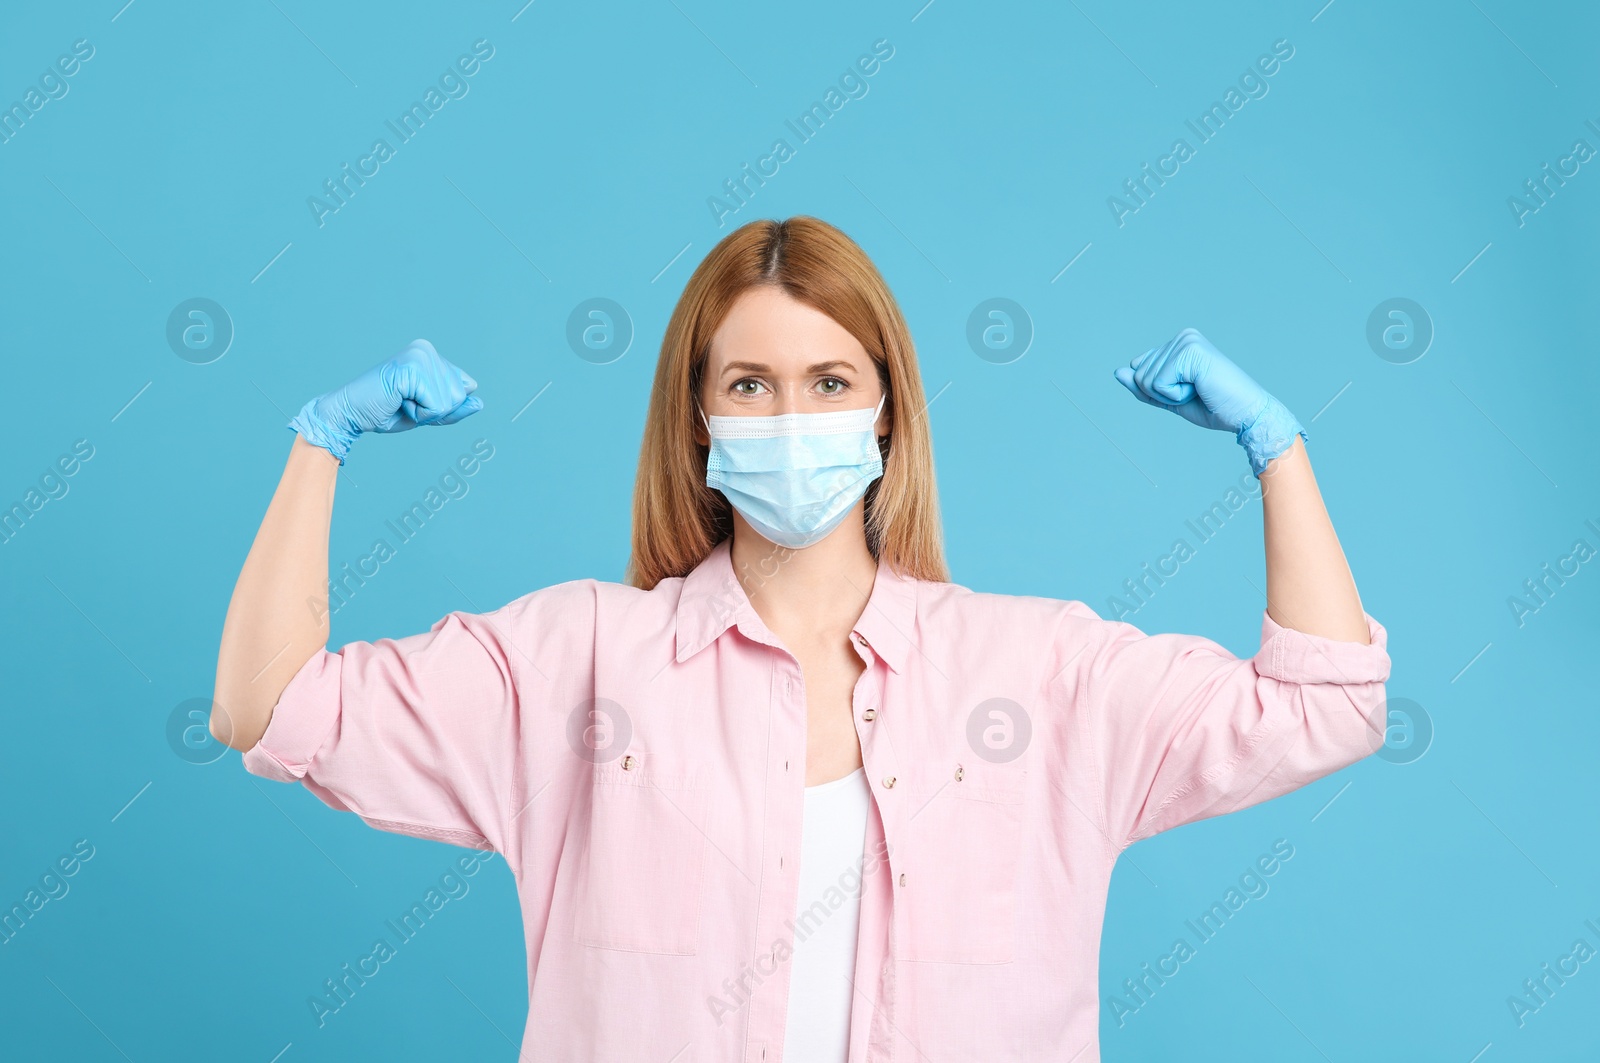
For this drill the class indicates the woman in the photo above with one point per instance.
(788, 793)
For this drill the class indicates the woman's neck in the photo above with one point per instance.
(817, 592)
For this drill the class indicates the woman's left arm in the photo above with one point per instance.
(1179, 729)
(1309, 584)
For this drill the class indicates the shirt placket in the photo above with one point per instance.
(778, 875)
(882, 769)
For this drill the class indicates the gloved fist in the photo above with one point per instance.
(1193, 379)
(415, 387)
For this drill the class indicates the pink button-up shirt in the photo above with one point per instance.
(639, 757)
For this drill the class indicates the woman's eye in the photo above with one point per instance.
(747, 387)
(832, 386)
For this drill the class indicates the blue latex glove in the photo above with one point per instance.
(415, 387)
(1192, 378)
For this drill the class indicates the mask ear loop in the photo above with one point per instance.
(882, 441)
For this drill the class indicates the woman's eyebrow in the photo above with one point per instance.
(759, 367)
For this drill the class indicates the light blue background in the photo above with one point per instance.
(977, 166)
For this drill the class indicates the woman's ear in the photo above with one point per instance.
(701, 435)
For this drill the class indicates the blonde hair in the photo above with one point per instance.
(677, 519)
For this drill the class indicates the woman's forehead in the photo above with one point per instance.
(768, 328)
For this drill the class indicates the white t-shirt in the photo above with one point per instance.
(824, 959)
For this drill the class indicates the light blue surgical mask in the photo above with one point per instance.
(794, 476)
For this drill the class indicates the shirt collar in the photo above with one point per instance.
(712, 600)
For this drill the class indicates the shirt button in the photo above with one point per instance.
(902, 879)
(627, 762)
(888, 784)
(959, 772)
(870, 715)
(862, 640)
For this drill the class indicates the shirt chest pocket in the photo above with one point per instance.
(959, 858)
(641, 867)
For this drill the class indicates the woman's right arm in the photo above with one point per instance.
(278, 615)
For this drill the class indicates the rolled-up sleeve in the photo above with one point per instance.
(1182, 730)
(416, 735)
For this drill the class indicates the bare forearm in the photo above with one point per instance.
(1309, 584)
(277, 617)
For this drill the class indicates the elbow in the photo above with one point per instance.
(1397, 729)
(221, 724)
(219, 727)
(1336, 725)
(1367, 718)
(234, 730)
(245, 691)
